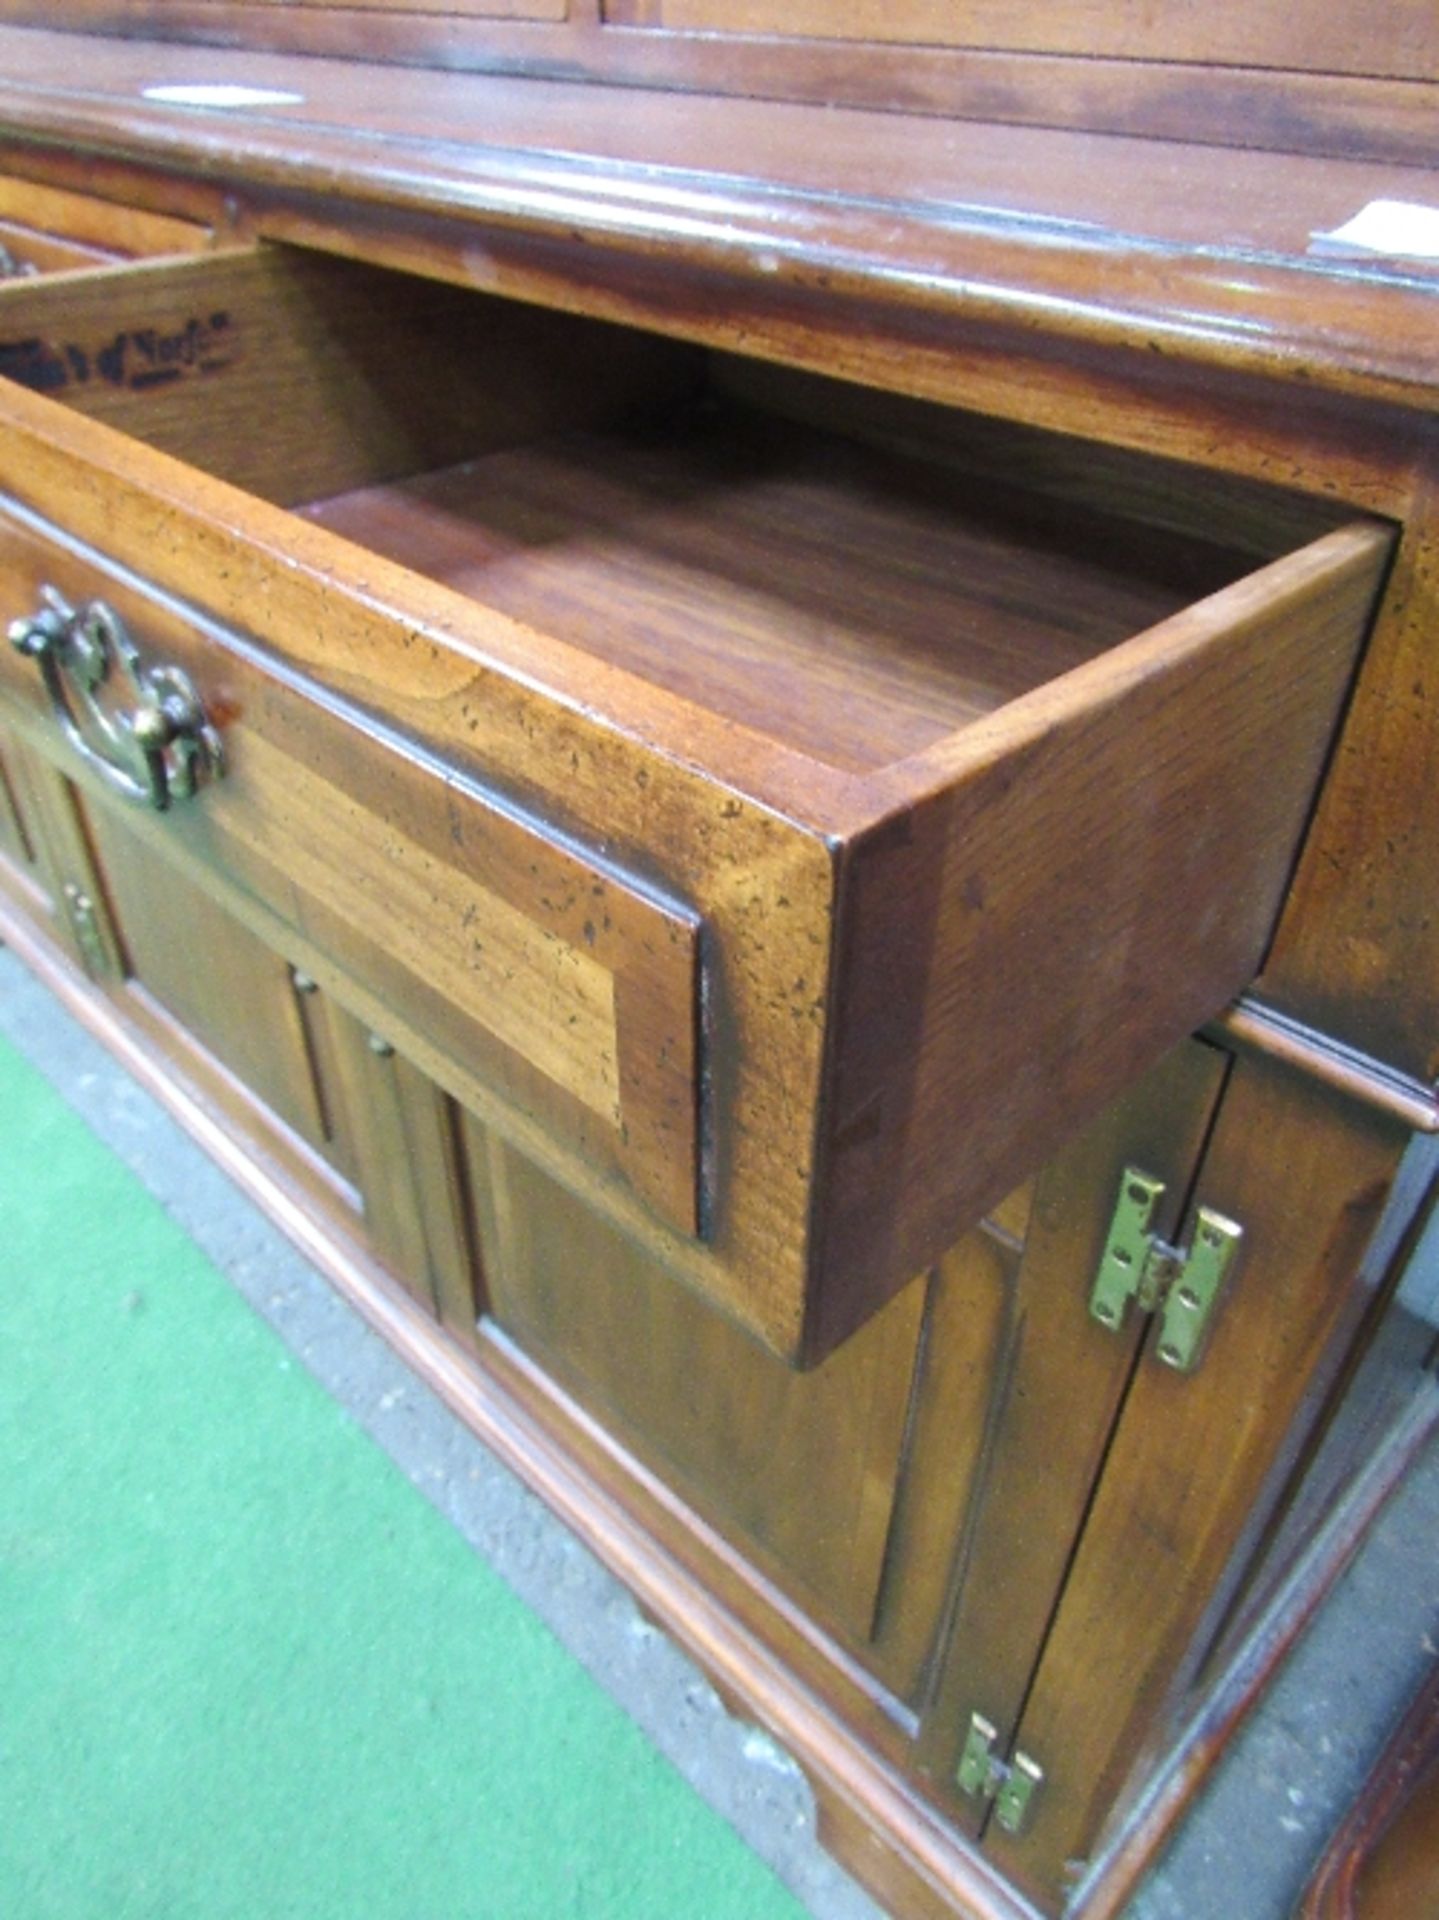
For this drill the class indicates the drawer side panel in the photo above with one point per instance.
(1095, 879)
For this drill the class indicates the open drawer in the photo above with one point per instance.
(785, 837)
(47, 229)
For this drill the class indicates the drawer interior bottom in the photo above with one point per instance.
(850, 602)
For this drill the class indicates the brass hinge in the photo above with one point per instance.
(984, 1776)
(1181, 1286)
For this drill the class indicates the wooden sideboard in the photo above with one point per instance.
(742, 701)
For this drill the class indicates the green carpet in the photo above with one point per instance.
(245, 1670)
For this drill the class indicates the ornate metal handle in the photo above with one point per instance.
(159, 752)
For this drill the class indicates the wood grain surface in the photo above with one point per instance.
(18, 840)
(475, 922)
(59, 855)
(1065, 874)
(759, 880)
(853, 788)
(237, 1001)
(111, 227)
(800, 1470)
(1306, 81)
(1199, 1460)
(1053, 1393)
(186, 353)
(1021, 235)
(928, 682)
(1354, 952)
(857, 606)
(1396, 38)
(33, 252)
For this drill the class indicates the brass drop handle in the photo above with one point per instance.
(161, 750)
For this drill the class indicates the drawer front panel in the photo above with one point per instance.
(569, 987)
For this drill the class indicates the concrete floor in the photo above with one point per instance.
(1245, 1850)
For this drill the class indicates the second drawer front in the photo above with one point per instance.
(570, 989)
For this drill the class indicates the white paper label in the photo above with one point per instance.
(1399, 229)
(222, 96)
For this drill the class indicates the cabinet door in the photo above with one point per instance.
(923, 1490)
(402, 1146)
(211, 974)
(799, 1469)
(17, 843)
(356, 1124)
(1197, 1463)
(47, 861)
(21, 847)
(1015, 1411)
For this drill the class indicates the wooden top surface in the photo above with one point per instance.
(1194, 252)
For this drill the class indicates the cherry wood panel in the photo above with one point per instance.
(326, 1032)
(111, 228)
(1146, 328)
(1291, 106)
(452, 1058)
(889, 1835)
(1396, 37)
(1368, 1400)
(576, 989)
(367, 1089)
(17, 837)
(1053, 1393)
(456, 9)
(1199, 1461)
(247, 1137)
(65, 885)
(800, 1469)
(1057, 474)
(187, 353)
(962, 1350)
(947, 858)
(930, 972)
(1025, 236)
(1355, 953)
(224, 987)
(27, 252)
(855, 605)
(27, 874)
(61, 830)
(408, 1165)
